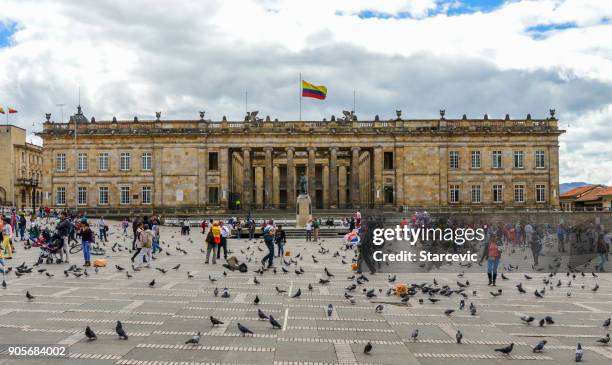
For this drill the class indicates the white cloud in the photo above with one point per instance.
(135, 58)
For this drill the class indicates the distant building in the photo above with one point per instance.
(203, 165)
(587, 198)
(20, 170)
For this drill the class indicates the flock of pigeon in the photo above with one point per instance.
(427, 293)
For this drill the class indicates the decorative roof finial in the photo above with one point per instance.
(442, 113)
(48, 117)
(202, 113)
(552, 113)
(157, 116)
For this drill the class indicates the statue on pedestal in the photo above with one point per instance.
(303, 185)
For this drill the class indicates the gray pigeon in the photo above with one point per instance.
(273, 322)
(244, 330)
(215, 321)
(578, 352)
(90, 334)
(415, 334)
(194, 340)
(367, 348)
(540, 346)
(459, 336)
(120, 331)
(261, 314)
(297, 293)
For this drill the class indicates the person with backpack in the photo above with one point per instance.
(87, 238)
(492, 253)
(146, 242)
(138, 243)
(213, 240)
(268, 235)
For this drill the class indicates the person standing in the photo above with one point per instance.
(22, 226)
(87, 239)
(63, 230)
(281, 239)
(268, 236)
(155, 230)
(536, 247)
(146, 240)
(135, 225)
(309, 230)
(316, 225)
(125, 224)
(213, 240)
(225, 233)
(139, 240)
(602, 251)
(251, 227)
(492, 253)
(7, 234)
(561, 237)
(103, 228)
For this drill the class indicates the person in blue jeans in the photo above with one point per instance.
(86, 240)
(492, 253)
(268, 236)
(156, 247)
(280, 238)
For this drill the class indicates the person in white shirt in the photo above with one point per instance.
(309, 228)
(102, 228)
(225, 233)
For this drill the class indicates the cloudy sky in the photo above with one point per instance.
(466, 56)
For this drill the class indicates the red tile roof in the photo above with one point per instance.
(592, 195)
(605, 191)
(575, 192)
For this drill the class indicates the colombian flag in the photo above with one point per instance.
(12, 111)
(312, 91)
(1, 110)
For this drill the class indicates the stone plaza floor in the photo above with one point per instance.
(159, 320)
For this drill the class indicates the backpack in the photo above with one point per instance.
(148, 239)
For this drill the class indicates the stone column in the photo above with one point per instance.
(355, 192)
(342, 186)
(202, 173)
(333, 177)
(268, 177)
(275, 186)
(225, 167)
(259, 186)
(247, 188)
(379, 194)
(290, 178)
(325, 186)
(158, 185)
(398, 156)
(311, 173)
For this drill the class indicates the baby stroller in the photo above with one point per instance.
(50, 247)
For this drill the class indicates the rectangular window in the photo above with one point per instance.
(60, 196)
(475, 193)
(124, 195)
(125, 162)
(103, 195)
(498, 196)
(388, 160)
(103, 161)
(213, 195)
(146, 161)
(519, 193)
(540, 193)
(518, 159)
(82, 195)
(496, 160)
(475, 159)
(539, 159)
(454, 193)
(60, 162)
(213, 161)
(82, 161)
(453, 157)
(146, 194)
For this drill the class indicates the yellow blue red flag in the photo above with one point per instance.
(313, 91)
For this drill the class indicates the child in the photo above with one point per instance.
(86, 240)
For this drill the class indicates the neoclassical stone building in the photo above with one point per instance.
(393, 163)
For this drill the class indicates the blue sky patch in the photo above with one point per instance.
(542, 31)
(447, 7)
(6, 33)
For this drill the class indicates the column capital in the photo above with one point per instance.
(333, 148)
(311, 149)
(355, 149)
(292, 149)
(266, 149)
(246, 149)
(378, 147)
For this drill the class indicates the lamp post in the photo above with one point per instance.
(34, 185)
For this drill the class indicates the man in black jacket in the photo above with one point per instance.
(63, 229)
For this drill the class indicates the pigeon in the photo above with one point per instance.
(606, 323)
(273, 322)
(280, 291)
(494, 294)
(127, 274)
(216, 292)
(392, 278)
(330, 310)
(537, 294)
(504, 277)
(433, 300)
(211, 278)
(120, 331)
(255, 281)
(506, 350)
(542, 321)
(448, 312)
(29, 296)
(261, 314)
(528, 277)
(379, 308)
(415, 334)
(549, 320)
(310, 286)
(297, 293)
(367, 348)
(244, 330)
(119, 268)
(176, 267)
(226, 293)
(256, 300)
(215, 321)
(189, 275)
(3, 284)
(539, 347)
(328, 273)
(152, 283)
(459, 336)
(194, 340)
(49, 275)
(527, 319)
(323, 281)
(90, 334)
(520, 288)
(604, 340)
(578, 352)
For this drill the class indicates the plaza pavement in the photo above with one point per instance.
(159, 320)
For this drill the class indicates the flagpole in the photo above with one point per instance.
(300, 90)
(354, 111)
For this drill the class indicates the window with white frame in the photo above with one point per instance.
(146, 161)
(453, 157)
(103, 195)
(475, 159)
(60, 196)
(519, 193)
(454, 193)
(540, 193)
(496, 159)
(103, 161)
(82, 161)
(81, 195)
(475, 190)
(518, 160)
(498, 191)
(125, 161)
(146, 194)
(124, 195)
(539, 159)
(60, 162)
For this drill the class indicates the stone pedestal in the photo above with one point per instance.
(303, 209)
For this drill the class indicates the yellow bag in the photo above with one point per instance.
(99, 263)
(401, 288)
(287, 253)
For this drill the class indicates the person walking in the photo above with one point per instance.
(268, 236)
(225, 233)
(561, 237)
(87, 238)
(139, 240)
(251, 227)
(63, 229)
(22, 226)
(7, 234)
(316, 225)
(135, 225)
(146, 240)
(536, 247)
(602, 251)
(365, 245)
(103, 228)
(309, 230)
(155, 230)
(213, 240)
(492, 253)
(125, 224)
(281, 239)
